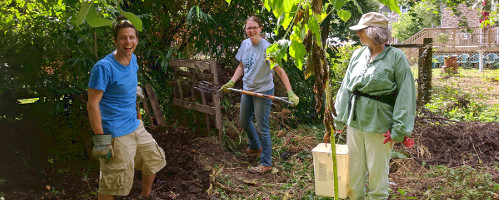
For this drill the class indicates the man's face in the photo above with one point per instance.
(126, 41)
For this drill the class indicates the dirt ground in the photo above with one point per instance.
(199, 166)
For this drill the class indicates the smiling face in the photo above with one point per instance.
(126, 42)
(253, 29)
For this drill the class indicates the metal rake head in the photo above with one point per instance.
(207, 87)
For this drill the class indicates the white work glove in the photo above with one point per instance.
(140, 93)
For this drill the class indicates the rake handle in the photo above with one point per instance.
(256, 94)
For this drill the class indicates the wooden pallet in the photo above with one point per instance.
(152, 107)
(187, 74)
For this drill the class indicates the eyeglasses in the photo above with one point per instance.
(252, 28)
(122, 22)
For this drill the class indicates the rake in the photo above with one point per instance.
(208, 87)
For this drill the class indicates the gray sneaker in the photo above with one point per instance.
(152, 196)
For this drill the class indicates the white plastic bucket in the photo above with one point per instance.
(323, 169)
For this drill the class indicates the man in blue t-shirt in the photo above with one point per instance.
(121, 143)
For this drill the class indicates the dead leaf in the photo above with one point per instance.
(281, 133)
(250, 182)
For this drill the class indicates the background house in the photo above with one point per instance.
(449, 20)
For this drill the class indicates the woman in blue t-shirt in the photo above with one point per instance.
(257, 77)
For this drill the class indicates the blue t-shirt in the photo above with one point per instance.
(257, 76)
(118, 103)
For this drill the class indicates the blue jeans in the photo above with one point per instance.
(258, 135)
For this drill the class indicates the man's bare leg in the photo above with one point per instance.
(147, 184)
(104, 196)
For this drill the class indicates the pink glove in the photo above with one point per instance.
(408, 142)
(387, 136)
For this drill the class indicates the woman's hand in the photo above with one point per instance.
(229, 84)
(292, 97)
(388, 138)
(407, 142)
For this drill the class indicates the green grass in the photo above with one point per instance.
(468, 96)
(463, 182)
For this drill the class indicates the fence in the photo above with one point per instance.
(422, 60)
(461, 39)
(470, 75)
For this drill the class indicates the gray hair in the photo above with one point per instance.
(378, 35)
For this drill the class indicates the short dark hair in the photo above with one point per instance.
(122, 22)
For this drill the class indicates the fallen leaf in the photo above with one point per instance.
(281, 133)
(250, 182)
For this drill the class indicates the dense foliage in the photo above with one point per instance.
(46, 58)
(424, 14)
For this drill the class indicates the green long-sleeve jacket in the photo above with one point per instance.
(389, 73)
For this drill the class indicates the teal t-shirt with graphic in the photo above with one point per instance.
(257, 76)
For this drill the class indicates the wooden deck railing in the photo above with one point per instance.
(457, 37)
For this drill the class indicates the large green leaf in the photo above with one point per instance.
(96, 21)
(338, 3)
(289, 12)
(357, 6)
(277, 7)
(271, 53)
(299, 33)
(228, 1)
(267, 5)
(313, 25)
(136, 21)
(195, 13)
(297, 51)
(82, 14)
(344, 15)
(392, 4)
(278, 51)
(88, 12)
(283, 49)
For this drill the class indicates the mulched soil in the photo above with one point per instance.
(440, 141)
(25, 177)
(183, 177)
(194, 162)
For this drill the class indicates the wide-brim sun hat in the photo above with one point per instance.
(371, 19)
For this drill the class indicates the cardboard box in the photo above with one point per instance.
(323, 169)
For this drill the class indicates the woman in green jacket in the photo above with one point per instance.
(376, 103)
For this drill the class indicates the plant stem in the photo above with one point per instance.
(334, 160)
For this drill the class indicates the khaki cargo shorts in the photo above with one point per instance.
(136, 150)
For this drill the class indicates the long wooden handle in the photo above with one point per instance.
(256, 94)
